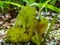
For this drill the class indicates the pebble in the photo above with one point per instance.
(13, 20)
(42, 13)
(6, 24)
(1, 41)
(1, 22)
(47, 13)
(53, 14)
(59, 16)
(55, 34)
(3, 34)
(2, 17)
(28, 43)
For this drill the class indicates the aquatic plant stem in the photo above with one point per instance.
(40, 9)
(16, 4)
(49, 30)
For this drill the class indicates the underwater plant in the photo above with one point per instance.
(27, 27)
(26, 23)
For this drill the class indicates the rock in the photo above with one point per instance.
(2, 33)
(53, 14)
(43, 13)
(1, 22)
(13, 20)
(1, 41)
(47, 13)
(55, 34)
(6, 24)
(59, 16)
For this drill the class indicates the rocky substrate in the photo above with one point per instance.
(54, 36)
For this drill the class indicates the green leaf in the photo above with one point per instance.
(53, 2)
(31, 1)
(47, 6)
(49, 30)
(52, 23)
(1, 4)
(36, 39)
(51, 7)
(36, 4)
(42, 1)
(7, 2)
